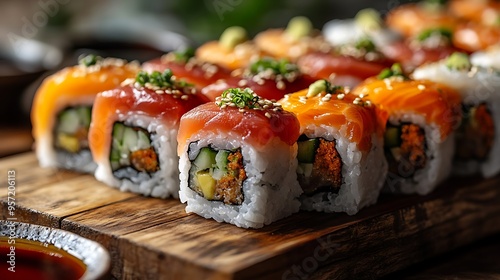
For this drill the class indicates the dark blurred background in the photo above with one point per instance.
(39, 37)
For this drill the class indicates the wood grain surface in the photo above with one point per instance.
(155, 239)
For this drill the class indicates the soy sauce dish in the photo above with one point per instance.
(31, 251)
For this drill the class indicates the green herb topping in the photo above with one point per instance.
(245, 99)
(278, 67)
(458, 61)
(157, 80)
(443, 33)
(90, 60)
(323, 86)
(366, 45)
(183, 56)
(394, 71)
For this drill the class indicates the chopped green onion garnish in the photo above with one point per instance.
(394, 71)
(184, 55)
(89, 60)
(442, 32)
(241, 98)
(159, 80)
(279, 67)
(365, 45)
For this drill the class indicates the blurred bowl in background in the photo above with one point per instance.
(22, 61)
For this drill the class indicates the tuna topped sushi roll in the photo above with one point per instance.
(238, 160)
(61, 111)
(188, 68)
(479, 131)
(134, 130)
(341, 164)
(427, 46)
(418, 142)
(271, 78)
(348, 65)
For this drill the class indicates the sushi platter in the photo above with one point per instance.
(288, 155)
(155, 238)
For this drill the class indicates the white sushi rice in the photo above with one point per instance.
(162, 183)
(488, 58)
(270, 191)
(363, 174)
(480, 85)
(49, 156)
(439, 159)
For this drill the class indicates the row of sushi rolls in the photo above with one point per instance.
(251, 130)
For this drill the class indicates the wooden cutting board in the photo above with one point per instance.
(152, 238)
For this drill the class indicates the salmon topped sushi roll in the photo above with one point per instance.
(341, 164)
(479, 131)
(238, 160)
(414, 18)
(473, 36)
(271, 78)
(232, 51)
(61, 111)
(418, 141)
(481, 11)
(133, 134)
(188, 68)
(291, 43)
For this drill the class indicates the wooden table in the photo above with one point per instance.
(150, 238)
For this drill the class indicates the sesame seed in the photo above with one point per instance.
(185, 97)
(340, 96)
(421, 87)
(280, 85)
(160, 91)
(241, 110)
(268, 115)
(242, 83)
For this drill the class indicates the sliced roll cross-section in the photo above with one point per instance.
(218, 175)
(319, 165)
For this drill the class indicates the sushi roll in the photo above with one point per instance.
(483, 11)
(232, 51)
(413, 18)
(341, 164)
(479, 132)
(427, 46)
(61, 111)
(133, 134)
(188, 68)
(291, 43)
(474, 36)
(418, 139)
(238, 160)
(271, 78)
(347, 65)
